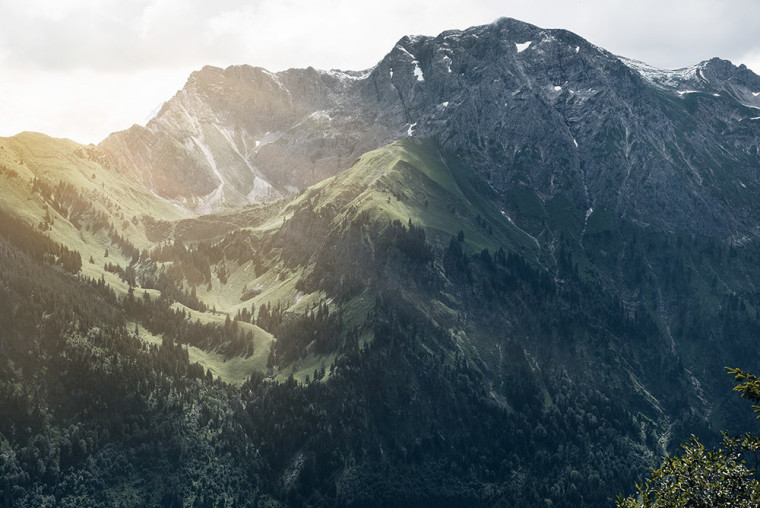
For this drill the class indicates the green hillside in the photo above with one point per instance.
(395, 335)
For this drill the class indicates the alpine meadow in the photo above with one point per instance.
(502, 267)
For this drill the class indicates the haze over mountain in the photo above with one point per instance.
(501, 267)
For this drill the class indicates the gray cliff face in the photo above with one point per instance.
(545, 112)
(534, 111)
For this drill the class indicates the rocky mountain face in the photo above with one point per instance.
(558, 116)
(243, 135)
(527, 108)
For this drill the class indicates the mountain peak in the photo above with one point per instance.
(721, 69)
(523, 103)
(511, 26)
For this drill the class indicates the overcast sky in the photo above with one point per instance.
(84, 68)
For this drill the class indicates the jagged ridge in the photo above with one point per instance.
(524, 106)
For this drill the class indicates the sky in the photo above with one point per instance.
(82, 69)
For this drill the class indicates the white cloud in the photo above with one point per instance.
(82, 105)
(137, 34)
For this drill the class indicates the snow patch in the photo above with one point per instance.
(742, 184)
(269, 137)
(684, 92)
(755, 94)
(447, 63)
(418, 71)
(755, 118)
(391, 73)
(411, 129)
(589, 212)
(346, 76)
(575, 143)
(403, 49)
(522, 46)
(577, 49)
(321, 115)
(445, 104)
(557, 88)
(662, 77)
(716, 95)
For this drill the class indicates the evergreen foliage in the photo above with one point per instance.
(453, 358)
(707, 479)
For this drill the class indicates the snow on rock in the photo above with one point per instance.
(447, 63)
(418, 71)
(522, 46)
(411, 129)
(346, 75)
(661, 77)
(404, 50)
(321, 116)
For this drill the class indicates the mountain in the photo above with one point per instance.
(243, 135)
(501, 267)
(600, 130)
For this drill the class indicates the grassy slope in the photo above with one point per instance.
(30, 155)
(406, 180)
(412, 179)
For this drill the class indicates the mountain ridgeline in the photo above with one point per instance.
(503, 267)
(526, 108)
